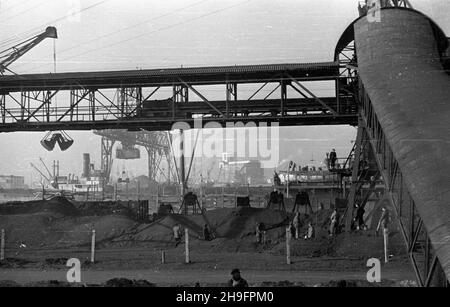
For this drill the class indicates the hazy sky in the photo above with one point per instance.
(117, 34)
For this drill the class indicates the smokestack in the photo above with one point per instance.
(86, 165)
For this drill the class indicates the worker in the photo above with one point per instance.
(334, 218)
(206, 233)
(359, 219)
(273, 198)
(333, 158)
(310, 233)
(280, 201)
(177, 234)
(236, 280)
(260, 233)
(296, 222)
(384, 220)
(293, 230)
(276, 179)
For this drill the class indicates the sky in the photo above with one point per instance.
(115, 34)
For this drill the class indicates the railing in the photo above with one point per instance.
(420, 251)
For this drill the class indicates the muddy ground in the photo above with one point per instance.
(41, 236)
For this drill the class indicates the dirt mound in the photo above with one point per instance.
(233, 229)
(57, 205)
(105, 208)
(41, 230)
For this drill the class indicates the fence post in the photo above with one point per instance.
(163, 257)
(386, 238)
(93, 246)
(2, 246)
(223, 199)
(186, 238)
(288, 245)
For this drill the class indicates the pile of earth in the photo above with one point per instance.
(57, 206)
(106, 208)
(56, 223)
(233, 229)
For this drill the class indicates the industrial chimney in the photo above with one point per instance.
(86, 165)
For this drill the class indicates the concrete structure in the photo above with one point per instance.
(399, 61)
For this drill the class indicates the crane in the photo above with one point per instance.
(12, 54)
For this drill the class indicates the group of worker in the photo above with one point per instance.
(295, 226)
(178, 233)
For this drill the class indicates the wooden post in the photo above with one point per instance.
(93, 246)
(288, 245)
(386, 242)
(186, 238)
(2, 246)
(163, 257)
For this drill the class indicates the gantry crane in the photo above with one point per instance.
(156, 144)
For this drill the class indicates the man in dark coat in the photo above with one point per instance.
(236, 280)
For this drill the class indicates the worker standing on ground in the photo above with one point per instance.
(293, 230)
(333, 158)
(296, 222)
(177, 234)
(334, 222)
(206, 233)
(260, 233)
(273, 198)
(280, 200)
(311, 232)
(236, 280)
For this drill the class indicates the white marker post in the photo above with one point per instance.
(163, 257)
(93, 246)
(186, 238)
(2, 246)
(288, 245)
(386, 242)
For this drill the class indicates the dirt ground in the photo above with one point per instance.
(41, 236)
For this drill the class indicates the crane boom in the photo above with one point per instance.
(46, 168)
(10, 55)
(40, 172)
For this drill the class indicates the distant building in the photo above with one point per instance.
(12, 182)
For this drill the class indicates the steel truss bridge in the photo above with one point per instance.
(400, 105)
(125, 99)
